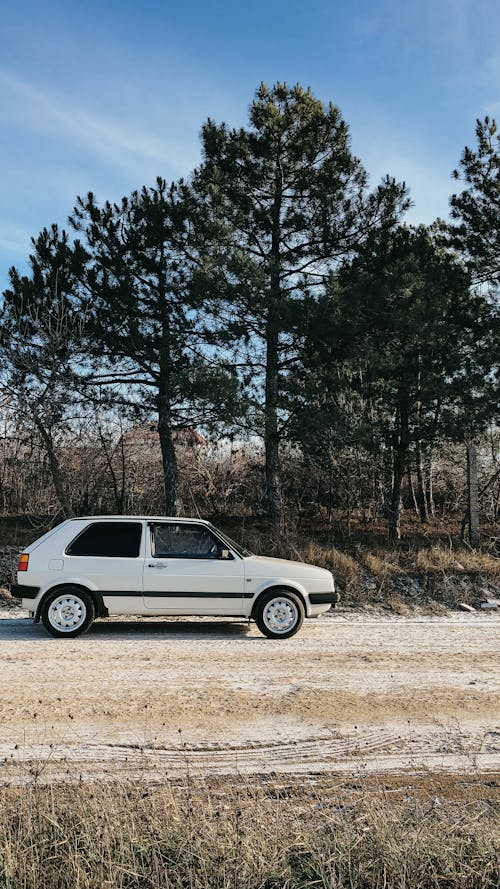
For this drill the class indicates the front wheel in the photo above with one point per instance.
(279, 614)
(67, 612)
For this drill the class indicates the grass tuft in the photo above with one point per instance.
(381, 565)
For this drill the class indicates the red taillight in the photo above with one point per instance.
(22, 565)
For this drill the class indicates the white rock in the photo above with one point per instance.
(465, 607)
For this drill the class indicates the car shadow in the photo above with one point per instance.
(152, 628)
(23, 628)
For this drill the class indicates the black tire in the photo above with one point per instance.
(79, 609)
(269, 609)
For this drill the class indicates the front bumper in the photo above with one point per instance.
(330, 598)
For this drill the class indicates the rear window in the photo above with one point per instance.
(116, 539)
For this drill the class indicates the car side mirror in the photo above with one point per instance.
(225, 554)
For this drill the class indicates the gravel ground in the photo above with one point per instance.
(154, 697)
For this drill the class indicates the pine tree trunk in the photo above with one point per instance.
(118, 491)
(395, 505)
(169, 459)
(55, 470)
(400, 453)
(163, 398)
(383, 476)
(431, 511)
(472, 494)
(271, 434)
(421, 490)
(411, 487)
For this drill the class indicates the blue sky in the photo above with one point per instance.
(105, 96)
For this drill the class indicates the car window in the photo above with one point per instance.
(116, 539)
(183, 542)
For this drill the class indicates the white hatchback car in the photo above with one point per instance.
(101, 565)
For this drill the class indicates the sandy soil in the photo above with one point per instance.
(347, 695)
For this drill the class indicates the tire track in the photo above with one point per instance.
(367, 752)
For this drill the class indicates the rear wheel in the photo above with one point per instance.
(279, 614)
(67, 612)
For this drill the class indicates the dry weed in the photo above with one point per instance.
(206, 835)
(381, 565)
(343, 565)
(438, 558)
(397, 605)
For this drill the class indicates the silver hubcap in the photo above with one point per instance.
(67, 613)
(280, 615)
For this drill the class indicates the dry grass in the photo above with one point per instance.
(356, 556)
(382, 565)
(462, 560)
(340, 563)
(397, 605)
(272, 835)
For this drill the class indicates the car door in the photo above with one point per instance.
(110, 554)
(188, 570)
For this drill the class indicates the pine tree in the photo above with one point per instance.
(288, 201)
(42, 326)
(145, 326)
(476, 236)
(404, 330)
(477, 208)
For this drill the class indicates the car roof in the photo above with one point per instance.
(137, 518)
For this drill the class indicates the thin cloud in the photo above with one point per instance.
(14, 239)
(491, 78)
(447, 23)
(121, 145)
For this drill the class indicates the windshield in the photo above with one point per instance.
(241, 550)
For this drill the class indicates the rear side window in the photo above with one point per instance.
(118, 539)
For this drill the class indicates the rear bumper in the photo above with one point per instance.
(330, 598)
(23, 591)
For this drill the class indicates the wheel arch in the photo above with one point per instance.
(100, 608)
(275, 587)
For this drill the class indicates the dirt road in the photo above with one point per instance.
(163, 697)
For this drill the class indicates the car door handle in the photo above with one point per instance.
(154, 565)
